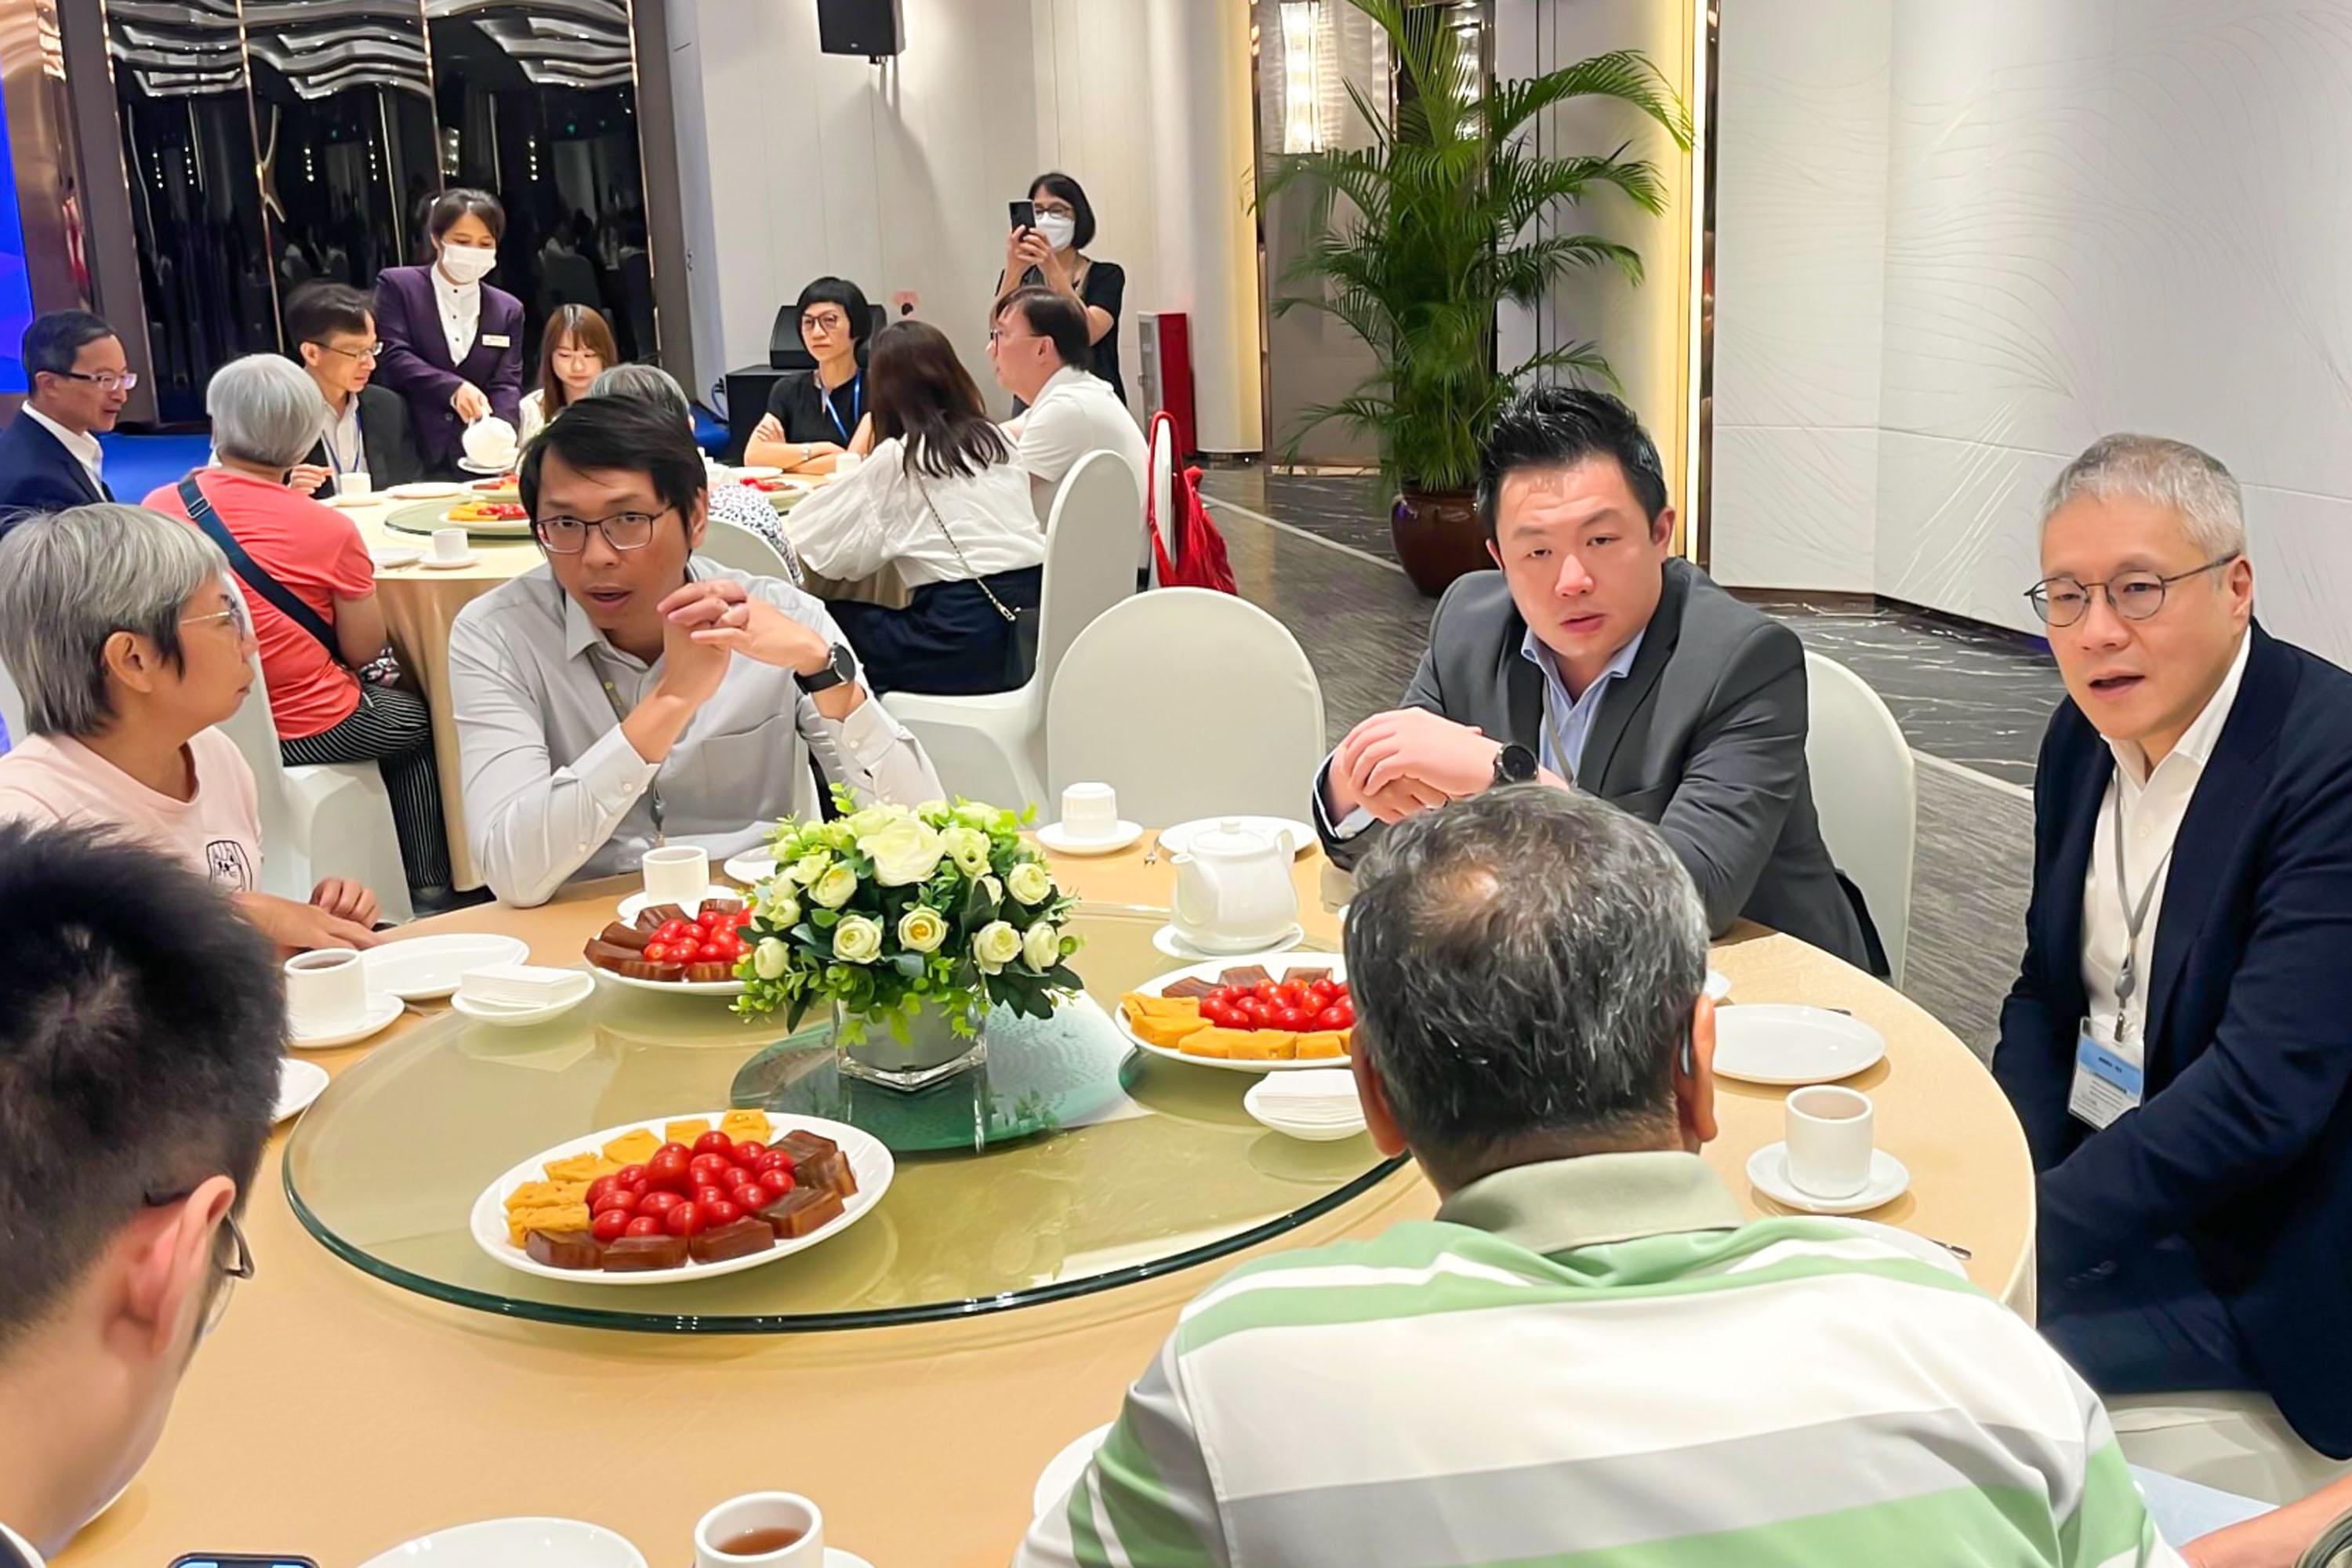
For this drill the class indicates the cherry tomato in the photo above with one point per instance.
(644, 1225)
(1260, 1009)
(1290, 994)
(1291, 1018)
(610, 1224)
(1266, 990)
(1339, 1015)
(708, 1169)
(776, 1160)
(1340, 989)
(596, 1191)
(707, 1194)
(776, 1183)
(741, 919)
(672, 929)
(725, 1211)
(747, 1195)
(657, 952)
(659, 1203)
(684, 1220)
(620, 1199)
(669, 1169)
(1217, 1013)
(747, 1154)
(1319, 996)
(727, 943)
(714, 1142)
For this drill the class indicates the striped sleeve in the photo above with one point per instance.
(2110, 1527)
(1145, 1500)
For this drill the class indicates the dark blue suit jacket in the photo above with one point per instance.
(38, 475)
(415, 361)
(2242, 1144)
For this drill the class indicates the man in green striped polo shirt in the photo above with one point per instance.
(1587, 1358)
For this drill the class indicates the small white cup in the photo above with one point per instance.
(449, 544)
(847, 463)
(1090, 811)
(326, 991)
(675, 874)
(355, 483)
(1829, 1140)
(737, 1517)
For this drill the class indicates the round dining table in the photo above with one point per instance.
(381, 1377)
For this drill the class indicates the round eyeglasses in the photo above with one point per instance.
(621, 531)
(2135, 595)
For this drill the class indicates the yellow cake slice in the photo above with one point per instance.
(1213, 1041)
(1322, 1045)
(685, 1132)
(546, 1194)
(1143, 1003)
(633, 1148)
(1166, 1033)
(581, 1167)
(557, 1217)
(747, 1126)
(1267, 1046)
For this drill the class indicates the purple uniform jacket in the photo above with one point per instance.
(415, 361)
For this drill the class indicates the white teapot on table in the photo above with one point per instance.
(1233, 891)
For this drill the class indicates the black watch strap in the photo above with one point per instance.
(837, 670)
(1514, 764)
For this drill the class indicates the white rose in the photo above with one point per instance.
(778, 904)
(922, 930)
(835, 887)
(967, 847)
(857, 938)
(976, 812)
(994, 889)
(809, 868)
(903, 851)
(872, 820)
(997, 945)
(768, 959)
(1042, 948)
(1030, 882)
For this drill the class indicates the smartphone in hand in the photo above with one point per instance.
(1025, 216)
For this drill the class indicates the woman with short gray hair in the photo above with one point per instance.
(128, 643)
(736, 503)
(310, 583)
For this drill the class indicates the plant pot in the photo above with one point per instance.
(931, 1052)
(1438, 536)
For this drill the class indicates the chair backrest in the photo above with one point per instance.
(253, 730)
(731, 543)
(1089, 554)
(1179, 658)
(1164, 483)
(1866, 792)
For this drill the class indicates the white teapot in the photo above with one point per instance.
(1233, 891)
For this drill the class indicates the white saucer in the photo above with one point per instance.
(1264, 1103)
(1052, 836)
(491, 470)
(426, 489)
(1062, 1471)
(299, 1083)
(834, 1557)
(421, 968)
(516, 1544)
(1718, 985)
(1177, 840)
(1166, 939)
(584, 985)
(752, 867)
(1774, 1043)
(382, 1010)
(1768, 1168)
(351, 503)
(637, 902)
(392, 558)
(435, 564)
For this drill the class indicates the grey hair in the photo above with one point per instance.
(70, 580)
(2191, 484)
(646, 383)
(265, 410)
(1524, 965)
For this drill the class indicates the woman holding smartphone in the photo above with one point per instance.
(1051, 253)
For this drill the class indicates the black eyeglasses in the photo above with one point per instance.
(623, 530)
(110, 381)
(239, 1265)
(827, 321)
(371, 353)
(2135, 595)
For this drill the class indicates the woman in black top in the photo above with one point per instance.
(1053, 255)
(814, 416)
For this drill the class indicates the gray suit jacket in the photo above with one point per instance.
(1705, 736)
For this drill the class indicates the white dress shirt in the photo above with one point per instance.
(1077, 413)
(346, 450)
(83, 445)
(461, 313)
(24, 1547)
(552, 787)
(2153, 805)
(877, 517)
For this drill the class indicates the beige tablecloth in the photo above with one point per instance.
(336, 1417)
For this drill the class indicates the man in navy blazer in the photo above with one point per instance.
(416, 362)
(2177, 1044)
(50, 454)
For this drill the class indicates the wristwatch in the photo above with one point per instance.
(1514, 765)
(838, 670)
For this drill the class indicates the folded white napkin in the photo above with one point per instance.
(517, 985)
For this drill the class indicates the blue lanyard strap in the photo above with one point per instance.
(856, 406)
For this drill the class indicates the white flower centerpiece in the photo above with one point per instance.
(911, 923)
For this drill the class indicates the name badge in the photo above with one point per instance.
(2106, 1085)
(496, 341)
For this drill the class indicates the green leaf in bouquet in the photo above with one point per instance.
(825, 920)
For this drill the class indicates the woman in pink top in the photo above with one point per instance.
(128, 643)
(266, 418)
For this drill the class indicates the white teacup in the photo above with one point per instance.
(450, 544)
(748, 1532)
(847, 463)
(355, 483)
(675, 874)
(326, 991)
(1089, 811)
(1829, 1140)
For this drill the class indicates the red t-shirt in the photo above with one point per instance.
(317, 554)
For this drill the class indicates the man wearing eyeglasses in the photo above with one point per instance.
(141, 1032)
(2177, 1044)
(79, 381)
(363, 427)
(629, 693)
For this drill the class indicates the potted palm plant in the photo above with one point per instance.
(1414, 241)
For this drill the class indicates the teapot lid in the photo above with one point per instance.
(1232, 836)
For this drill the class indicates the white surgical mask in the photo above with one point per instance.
(1058, 231)
(468, 263)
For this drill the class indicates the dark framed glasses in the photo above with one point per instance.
(2135, 595)
(621, 531)
(237, 1263)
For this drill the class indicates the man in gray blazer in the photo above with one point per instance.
(1594, 657)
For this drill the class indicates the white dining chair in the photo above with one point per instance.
(1179, 658)
(1867, 793)
(1164, 491)
(319, 820)
(732, 544)
(2233, 1441)
(992, 747)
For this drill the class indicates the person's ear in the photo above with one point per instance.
(171, 1266)
(311, 355)
(1661, 532)
(1695, 1078)
(1493, 554)
(697, 521)
(1379, 1121)
(2240, 576)
(130, 659)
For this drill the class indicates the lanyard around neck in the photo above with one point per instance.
(856, 406)
(620, 715)
(2134, 915)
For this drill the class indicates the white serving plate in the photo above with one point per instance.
(422, 968)
(752, 867)
(495, 528)
(426, 489)
(514, 1543)
(676, 987)
(636, 904)
(299, 1083)
(1785, 1045)
(1155, 986)
(869, 1161)
(581, 987)
(1178, 840)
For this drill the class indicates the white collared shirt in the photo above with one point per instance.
(1567, 720)
(2152, 806)
(24, 1548)
(346, 452)
(83, 445)
(1077, 413)
(878, 517)
(554, 789)
(461, 313)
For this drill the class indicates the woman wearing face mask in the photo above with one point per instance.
(814, 416)
(1053, 255)
(576, 348)
(452, 343)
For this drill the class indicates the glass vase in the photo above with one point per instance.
(931, 1053)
